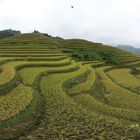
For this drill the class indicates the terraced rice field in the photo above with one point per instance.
(46, 95)
(123, 77)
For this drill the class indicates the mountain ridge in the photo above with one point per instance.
(129, 48)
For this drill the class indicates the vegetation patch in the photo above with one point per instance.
(92, 54)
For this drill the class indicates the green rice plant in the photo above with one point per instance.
(135, 71)
(31, 55)
(127, 61)
(137, 76)
(138, 68)
(92, 62)
(35, 63)
(132, 64)
(116, 95)
(125, 58)
(55, 58)
(4, 60)
(123, 77)
(24, 49)
(89, 62)
(29, 52)
(15, 102)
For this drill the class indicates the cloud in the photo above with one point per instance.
(110, 21)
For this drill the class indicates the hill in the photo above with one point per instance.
(76, 48)
(129, 48)
(109, 54)
(54, 89)
(28, 39)
(8, 33)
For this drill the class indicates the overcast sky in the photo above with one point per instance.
(107, 21)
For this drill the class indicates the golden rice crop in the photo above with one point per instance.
(123, 77)
(9, 69)
(53, 63)
(7, 74)
(85, 85)
(31, 55)
(116, 95)
(94, 105)
(28, 75)
(64, 116)
(16, 101)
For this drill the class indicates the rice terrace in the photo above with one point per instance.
(67, 89)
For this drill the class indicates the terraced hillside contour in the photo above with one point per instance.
(47, 95)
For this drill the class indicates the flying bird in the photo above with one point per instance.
(72, 7)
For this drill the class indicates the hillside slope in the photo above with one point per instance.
(76, 48)
(28, 39)
(57, 89)
(108, 53)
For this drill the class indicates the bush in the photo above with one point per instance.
(88, 54)
(85, 54)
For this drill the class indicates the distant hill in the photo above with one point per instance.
(78, 49)
(129, 48)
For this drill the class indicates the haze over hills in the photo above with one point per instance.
(129, 48)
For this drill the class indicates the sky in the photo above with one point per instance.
(110, 22)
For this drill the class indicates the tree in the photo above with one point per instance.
(8, 33)
(35, 31)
